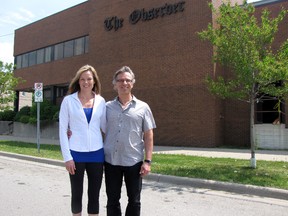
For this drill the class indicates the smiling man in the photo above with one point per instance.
(128, 144)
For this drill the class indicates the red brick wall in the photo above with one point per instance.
(167, 56)
(170, 63)
(66, 25)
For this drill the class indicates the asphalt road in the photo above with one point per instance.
(31, 188)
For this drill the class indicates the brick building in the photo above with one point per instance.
(159, 41)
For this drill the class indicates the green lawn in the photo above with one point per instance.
(267, 174)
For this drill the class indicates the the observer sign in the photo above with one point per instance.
(144, 15)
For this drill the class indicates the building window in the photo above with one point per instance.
(48, 54)
(61, 91)
(86, 44)
(47, 94)
(40, 56)
(32, 58)
(68, 48)
(79, 46)
(19, 61)
(270, 111)
(58, 51)
(25, 59)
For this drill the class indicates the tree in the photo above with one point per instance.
(243, 44)
(7, 85)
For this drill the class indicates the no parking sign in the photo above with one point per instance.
(38, 94)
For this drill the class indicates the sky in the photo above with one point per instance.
(15, 14)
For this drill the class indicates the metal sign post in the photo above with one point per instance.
(38, 95)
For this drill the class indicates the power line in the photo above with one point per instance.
(6, 35)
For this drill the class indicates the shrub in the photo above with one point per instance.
(48, 111)
(24, 119)
(7, 115)
(32, 120)
(56, 116)
(24, 111)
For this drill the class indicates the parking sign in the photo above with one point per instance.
(38, 94)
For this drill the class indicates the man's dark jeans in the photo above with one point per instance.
(133, 181)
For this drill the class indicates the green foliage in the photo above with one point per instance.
(24, 119)
(48, 112)
(56, 116)
(7, 115)
(243, 45)
(7, 85)
(24, 111)
(32, 120)
(268, 174)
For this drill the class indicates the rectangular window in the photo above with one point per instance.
(68, 48)
(86, 44)
(58, 51)
(48, 54)
(19, 61)
(25, 59)
(47, 94)
(32, 58)
(79, 46)
(40, 56)
(269, 111)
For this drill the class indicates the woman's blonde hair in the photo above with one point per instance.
(74, 85)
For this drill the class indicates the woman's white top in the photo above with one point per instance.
(86, 136)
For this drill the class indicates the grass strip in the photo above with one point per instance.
(267, 174)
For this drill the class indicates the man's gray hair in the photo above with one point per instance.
(124, 69)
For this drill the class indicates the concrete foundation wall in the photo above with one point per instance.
(6, 127)
(47, 130)
(268, 136)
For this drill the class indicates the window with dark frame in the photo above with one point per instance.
(59, 51)
(40, 56)
(67, 49)
(48, 54)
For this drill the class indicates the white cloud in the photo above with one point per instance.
(7, 20)
(6, 54)
(28, 13)
(17, 18)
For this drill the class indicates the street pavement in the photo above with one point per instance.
(270, 155)
(33, 188)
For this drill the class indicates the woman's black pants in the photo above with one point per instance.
(94, 174)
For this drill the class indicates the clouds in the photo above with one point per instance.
(6, 54)
(10, 20)
(16, 18)
(15, 14)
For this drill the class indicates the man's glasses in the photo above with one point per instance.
(124, 80)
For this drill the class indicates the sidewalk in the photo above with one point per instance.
(190, 182)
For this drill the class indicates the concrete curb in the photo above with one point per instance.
(221, 186)
(191, 182)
